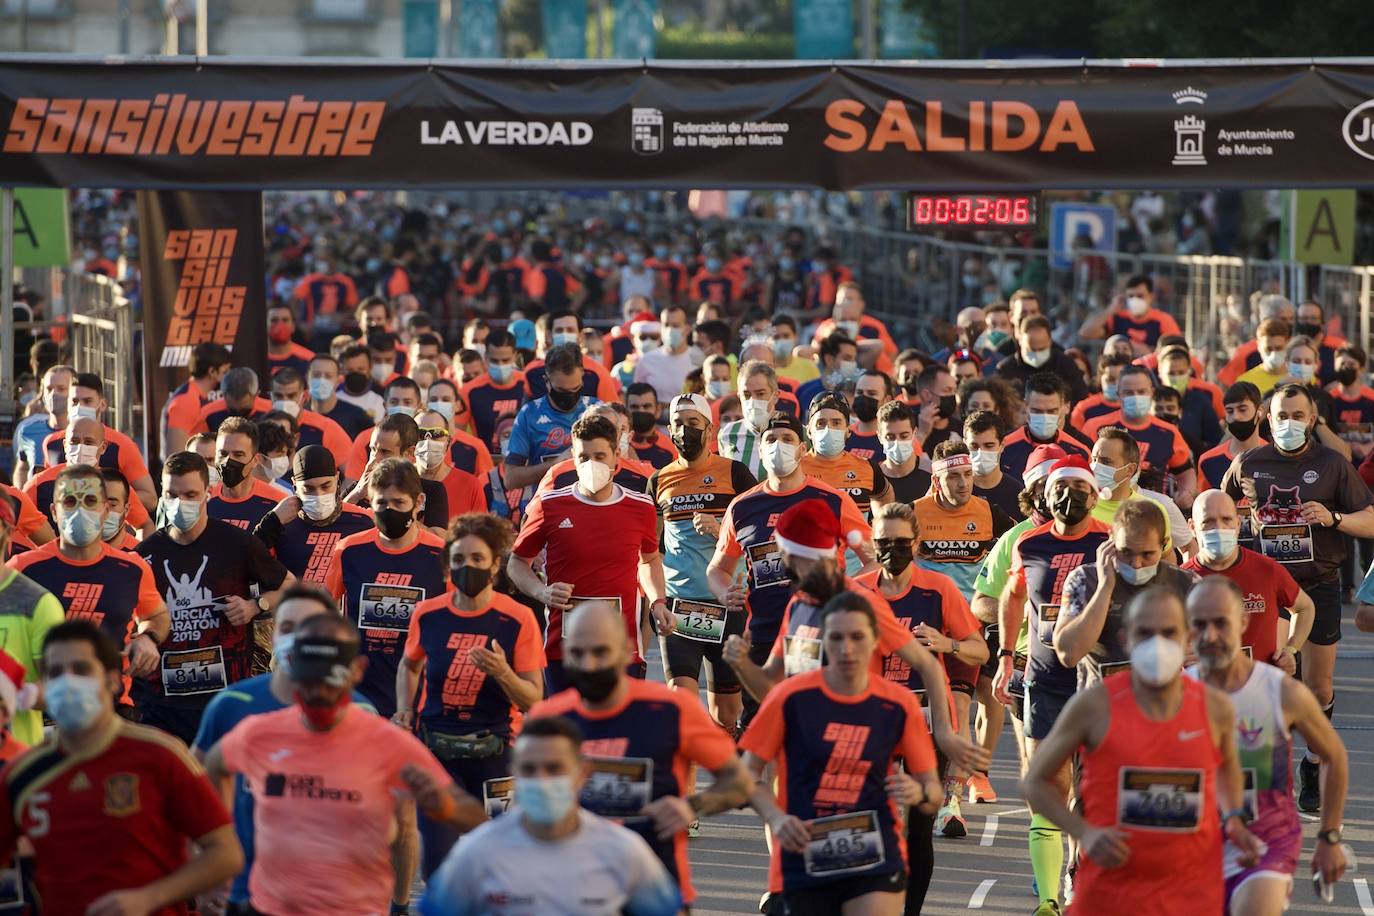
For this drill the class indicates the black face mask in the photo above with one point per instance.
(865, 408)
(689, 441)
(393, 523)
(1071, 507)
(1347, 375)
(1308, 329)
(1241, 430)
(642, 422)
(947, 407)
(355, 383)
(895, 558)
(232, 472)
(593, 686)
(470, 580)
(1167, 418)
(564, 401)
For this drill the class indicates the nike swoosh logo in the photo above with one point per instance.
(279, 755)
(1189, 736)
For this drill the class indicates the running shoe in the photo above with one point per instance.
(949, 822)
(980, 790)
(1048, 908)
(693, 830)
(1309, 786)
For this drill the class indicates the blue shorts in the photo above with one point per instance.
(1042, 710)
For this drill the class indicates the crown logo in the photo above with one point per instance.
(1190, 96)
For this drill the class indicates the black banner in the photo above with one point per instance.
(203, 264)
(225, 123)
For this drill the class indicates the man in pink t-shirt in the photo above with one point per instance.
(332, 786)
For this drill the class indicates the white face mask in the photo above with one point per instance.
(428, 453)
(898, 451)
(443, 408)
(81, 454)
(780, 458)
(984, 461)
(593, 476)
(1137, 306)
(624, 444)
(545, 801)
(1157, 660)
(1302, 372)
(82, 412)
(281, 466)
(828, 442)
(1036, 358)
(1273, 362)
(380, 372)
(756, 412)
(1135, 575)
(292, 408)
(214, 476)
(319, 508)
(718, 388)
(1217, 543)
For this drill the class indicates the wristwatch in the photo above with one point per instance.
(1236, 812)
(1336, 519)
(1005, 653)
(1331, 837)
(262, 604)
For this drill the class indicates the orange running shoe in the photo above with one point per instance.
(980, 790)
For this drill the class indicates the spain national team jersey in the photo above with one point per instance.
(487, 402)
(378, 588)
(833, 755)
(748, 531)
(1041, 562)
(1018, 445)
(595, 547)
(956, 541)
(860, 477)
(112, 590)
(630, 474)
(680, 491)
(932, 599)
(641, 751)
(115, 817)
(800, 644)
(244, 513)
(307, 549)
(457, 697)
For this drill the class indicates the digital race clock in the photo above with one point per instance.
(996, 211)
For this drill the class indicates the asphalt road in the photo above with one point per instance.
(989, 870)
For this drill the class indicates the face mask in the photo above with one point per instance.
(1178, 383)
(713, 265)
(985, 461)
(898, 452)
(593, 686)
(81, 454)
(780, 458)
(1071, 507)
(1289, 435)
(642, 422)
(894, 559)
(787, 265)
(393, 523)
(782, 349)
(718, 388)
(1133, 575)
(564, 337)
(215, 479)
(674, 337)
(403, 410)
(281, 648)
(1217, 543)
(646, 344)
(74, 701)
(756, 412)
(380, 371)
(564, 401)
(1157, 661)
(321, 389)
(849, 369)
(470, 580)
(865, 408)
(111, 527)
(355, 383)
(948, 405)
(81, 527)
(443, 408)
(689, 441)
(501, 373)
(545, 801)
(1137, 306)
(593, 475)
(1301, 372)
(319, 508)
(279, 333)
(1043, 425)
(991, 339)
(850, 329)
(829, 442)
(232, 472)
(1036, 358)
(281, 466)
(82, 412)
(1105, 477)
(1109, 391)
(1347, 376)
(323, 717)
(1242, 429)
(287, 407)
(182, 513)
(1273, 362)
(1309, 329)
(660, 252)
(429, 453)
(635, 259)
(1135, 406)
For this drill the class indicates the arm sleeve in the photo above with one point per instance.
(30, 519)
(148, 598)
(183, 413)
(916, 747)
(413, 650)
(532, 538)
(268, 530)
(851, 519)
(333, 580)
(958, 617)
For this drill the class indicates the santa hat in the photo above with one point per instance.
(1040, 461)
(1071, 468)
(16, 695)
(811, 529)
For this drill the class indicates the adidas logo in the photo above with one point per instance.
(566, 523)
(79, 782)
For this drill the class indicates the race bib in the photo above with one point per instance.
(497, 795)
(844, 843)
(700, 621)
(1048, 614)
(618, 787)
(193, 671)
(1286, 543)
(800, 654)
(1160, 799)
(1103, 670)
(387, 607)
(765, 565)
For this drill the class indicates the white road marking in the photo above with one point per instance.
(976, 901)
(1361, 892)
(989, 831)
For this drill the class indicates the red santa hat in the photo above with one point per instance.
(811, 529)
(1041, 459)
(1071, 468)
(16, 695)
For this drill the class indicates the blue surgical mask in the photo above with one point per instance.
(635, 259)
(1218, 543)
(1289, 435)
(564, 337)
(111, 526)
(444, 408)
(674, 337)
(182, 513)
(401, 409)
(1132, 575)
(1135, 406)
(74, 701)
(1043, 425)
(661, 252)
(897, 451)
(1301, 372)
(545, 800)
(1036, 358)
(500, 373)
(782, 349)
(81, 527)
(1109, 391)
(321, 389)
(1104, 476)
(717, 388)
(829, 442)
(713, 265)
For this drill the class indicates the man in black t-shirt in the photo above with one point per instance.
(207, 572)
(901, 453)
(983, 434)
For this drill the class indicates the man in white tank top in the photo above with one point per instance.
(1270, 706)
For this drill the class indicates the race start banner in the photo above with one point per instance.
(231, 123)
(203, 264)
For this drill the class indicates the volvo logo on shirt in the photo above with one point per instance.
(282, 785)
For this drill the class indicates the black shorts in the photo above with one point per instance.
(828, 899)
(180, 721)
(1042, 710)
(1326, 622)
(991, 636)
(683, 657)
